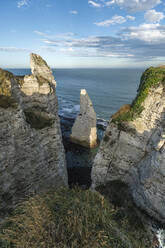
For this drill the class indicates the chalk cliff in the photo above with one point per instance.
(84, 130)
(133, 147)
(32, 156)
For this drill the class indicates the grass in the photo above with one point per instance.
(127, 214)
(70, 219)
(151, 78)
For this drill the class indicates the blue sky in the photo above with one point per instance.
(83, 33)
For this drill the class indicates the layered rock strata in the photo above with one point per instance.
(32, 156)
(84, 130)
(133, 148)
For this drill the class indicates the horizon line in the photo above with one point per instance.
(54, 68)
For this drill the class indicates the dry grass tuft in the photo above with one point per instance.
(65, 219)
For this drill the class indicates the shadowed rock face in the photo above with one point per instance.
(133, 151)
(84, 130)
(32, 156)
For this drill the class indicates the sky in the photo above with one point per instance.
(83, 33)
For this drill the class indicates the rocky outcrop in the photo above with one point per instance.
(132, 150)
(84, 130)
(40, 69)
(32, 156)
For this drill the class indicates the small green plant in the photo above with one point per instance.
(68, 219)
(151, 78)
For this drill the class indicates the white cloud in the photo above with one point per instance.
(153, 16)
(109, 3)
(73, 12)
(22, 3)
(138, 5)
(39, 33)
(48, 36)
(94, 4)
(48, 49)
(13, 49)
(67, 35)
(133, 5)
(149, 33)
(131, 18)
(136, 43)
(115, 20)
(69, 49)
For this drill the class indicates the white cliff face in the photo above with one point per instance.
(133, 152)
(32, 156)
(147, 184)
(84, 130)
(32, 85)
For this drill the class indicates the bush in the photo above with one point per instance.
(66, 219)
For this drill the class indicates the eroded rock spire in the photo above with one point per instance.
(84, 130)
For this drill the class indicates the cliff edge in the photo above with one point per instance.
(32, 156)
(133, 148)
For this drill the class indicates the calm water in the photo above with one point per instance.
(108, 88)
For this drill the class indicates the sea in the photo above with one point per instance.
(108, 89)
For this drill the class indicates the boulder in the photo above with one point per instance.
(84, 130)
(32, 157)
(131, 150)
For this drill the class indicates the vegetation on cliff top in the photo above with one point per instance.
(6, 100)
(151, 78)
(71, 219)
(5, 83)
